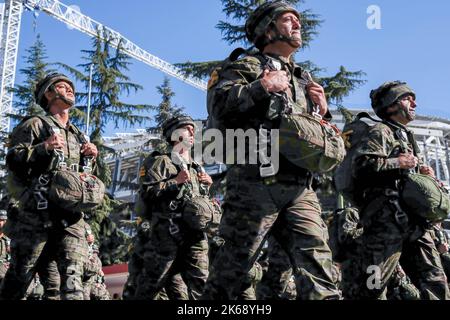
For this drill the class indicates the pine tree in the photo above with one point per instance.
(164, 111)
(23, 103)
(109, 83)
(233, 32)
(36, 69)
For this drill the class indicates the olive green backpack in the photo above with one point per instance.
(70, 190)
(425, 197)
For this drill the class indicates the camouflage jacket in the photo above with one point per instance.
(159, 187)
(92, 267)
(4, 249)
(237, 99)
(27, 159)
(375, 161)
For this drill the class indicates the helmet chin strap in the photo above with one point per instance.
(57, 96)
(283, 38)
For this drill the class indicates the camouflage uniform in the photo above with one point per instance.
(277, 274)
(32, 239)
(4, 256)
(439, 239)
(174, 289)
(93, 281)
(401, 287)
(289, 208)
(170, 251)
(389, 233)
(345, 237)
(49, 278)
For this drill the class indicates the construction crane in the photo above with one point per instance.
(10, 18)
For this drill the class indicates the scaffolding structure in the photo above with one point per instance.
(10, 18)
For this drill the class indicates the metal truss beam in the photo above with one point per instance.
(8, 58)
(93, 28)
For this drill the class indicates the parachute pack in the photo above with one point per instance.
(421, 195)
(305, 140)
(425, 197)
(198, 211)
(354, 132)
(65, 188)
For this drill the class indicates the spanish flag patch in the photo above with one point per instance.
(213, 79)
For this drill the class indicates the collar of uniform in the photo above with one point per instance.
(398, 125)
(283, 60)
(169, 153)
(69, 126)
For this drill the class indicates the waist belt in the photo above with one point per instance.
(174, 229)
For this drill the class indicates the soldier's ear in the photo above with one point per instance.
(48, 95)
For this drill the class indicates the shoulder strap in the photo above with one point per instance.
(366, 115)
(47, 123)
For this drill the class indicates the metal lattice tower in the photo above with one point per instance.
(77, 20)
(10, 31)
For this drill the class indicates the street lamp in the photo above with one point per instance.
(91, 67)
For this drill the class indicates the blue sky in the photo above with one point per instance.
(413, 44)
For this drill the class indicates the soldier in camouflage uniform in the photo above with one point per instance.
(174, 247)
(401, 287)
(277, 273)
(390, 233)
(442, 245)
(45, 231)
(4, 247)
(94, 287)
(287, 206)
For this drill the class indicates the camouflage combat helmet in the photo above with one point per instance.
(170, 125)
(262, 18)
(3, 215)
(48, 84)
(387, 94)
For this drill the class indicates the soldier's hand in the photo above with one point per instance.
(407, 161)
(442, 248)
(89, 149)
(205, 178)
(183, 177)
(317, 95)
(427, 170)
(275, 81)
(55, 141)
(90, 238)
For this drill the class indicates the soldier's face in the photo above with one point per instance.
(186, 134)
(288, 25)
(63, 89)
(408, 105)
(2, 224)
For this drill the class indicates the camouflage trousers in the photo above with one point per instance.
(248, 286)
(49, 278)
(93, 290)
(174, 289)
(277, 274)
(29, 248)
(290, 210)
(165, 255)
(445, 259)
(385, 242)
